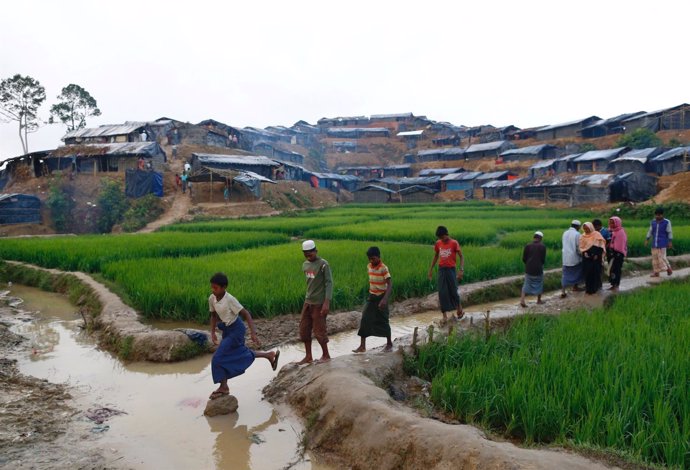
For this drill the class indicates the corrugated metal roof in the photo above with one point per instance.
(235, 159)
(502, 183)
(116, 148)
(639, 155)
(570, 180)
(487, 146)
(417, 189)
(391, 116)
(440, 171)
(607, 154)
(531, 150)
(658, 111)
(466, 176)
(492, 175)
(342, 130)
(568, 158)
(670, 154)
(374, 187)
(594, 180)
(412, 181)
(614, 120)
(444, 151)
(543, 164)
(566, 124)
(334, 176)
(409, 133)
(105, 130)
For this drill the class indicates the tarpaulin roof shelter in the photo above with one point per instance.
(465, 176)
(116, 148)
(533, 151)
(607, 154)
(106, 130)
(247, 178)
(672, 161)
(640, 155)
(410, 133)
(139, 183)
(440, 171)
(632, 186)
(20, 209)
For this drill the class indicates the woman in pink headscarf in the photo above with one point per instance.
(618, 250)
(592, 246)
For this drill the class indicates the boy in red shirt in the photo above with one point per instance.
(447, 250)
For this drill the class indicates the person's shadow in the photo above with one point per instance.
(233, 442)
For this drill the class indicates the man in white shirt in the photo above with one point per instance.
(572, 259)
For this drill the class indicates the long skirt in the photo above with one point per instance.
(591, 268)
(572, 275)
(616, 268)
(374, 320)
(448, 295)
(659, 260)
(232, 357)
(533, 285)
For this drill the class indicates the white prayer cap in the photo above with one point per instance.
(308, 245)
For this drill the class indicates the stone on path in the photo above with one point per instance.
(223, 405)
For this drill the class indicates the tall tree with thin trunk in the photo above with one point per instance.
(73, 107)
(20, 98)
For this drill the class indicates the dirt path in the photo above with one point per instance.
(351, 421)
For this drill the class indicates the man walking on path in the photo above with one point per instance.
(662, 238)
(316, 302)
(572, 259)
(446, 251)
(534, 257)
(375, 318)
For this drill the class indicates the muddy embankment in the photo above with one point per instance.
(116, 325)
(352, 418)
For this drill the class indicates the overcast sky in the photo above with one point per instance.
(259, 63)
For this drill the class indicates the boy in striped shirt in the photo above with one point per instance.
(375, 316)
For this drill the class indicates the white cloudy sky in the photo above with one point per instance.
(274, 62)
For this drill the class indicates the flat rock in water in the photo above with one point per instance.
(223, 405)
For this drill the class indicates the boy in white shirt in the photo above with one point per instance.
(232, 358)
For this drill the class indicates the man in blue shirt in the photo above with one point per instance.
(661, 235)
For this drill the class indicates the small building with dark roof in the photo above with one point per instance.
(417, 193)
(460, 182)
(492, 176)
(677, 117)
(501, 189)
(373, 193)
(446, 141)
(443, 154)
(604, 127)
(489, 150)
(542, 168)
(497, 133)
(566, 129)
(440, 171)
(571, 189)
(632, 187)
(566, 163)
(343, 121)
(533, 152)
(357, 132)
(103, 158)
(254, 163)
(672, 161)
(597, 160)
(634, 160)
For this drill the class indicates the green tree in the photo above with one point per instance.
(639, 139)
(20, 98)
(61, 204)
(112, 205)
(74, 105)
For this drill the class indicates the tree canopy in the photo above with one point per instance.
(20, 98)
(639, 139)
(74, 105)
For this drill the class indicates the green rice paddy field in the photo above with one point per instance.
(165, 274)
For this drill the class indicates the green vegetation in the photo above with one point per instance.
(165, 274)
(89, 253)
(141, 211)
(112, 204)
(639, 139)
(60, 204)
(616, 378)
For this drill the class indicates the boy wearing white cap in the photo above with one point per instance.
(572, 258)
(316, 302)
(534, 257)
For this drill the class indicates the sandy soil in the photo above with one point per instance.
(39, 425)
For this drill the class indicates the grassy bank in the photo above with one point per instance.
(616, 378)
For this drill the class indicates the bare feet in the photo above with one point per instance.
(669, 271)
(359, 350)
(323, 359)
(563, 295)
(613, 288)
(540, 302)
(306, 360)
(523, 305)
(388, 348)
(219, 392)
(577, 289)
(655, 275)
(460, 314)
